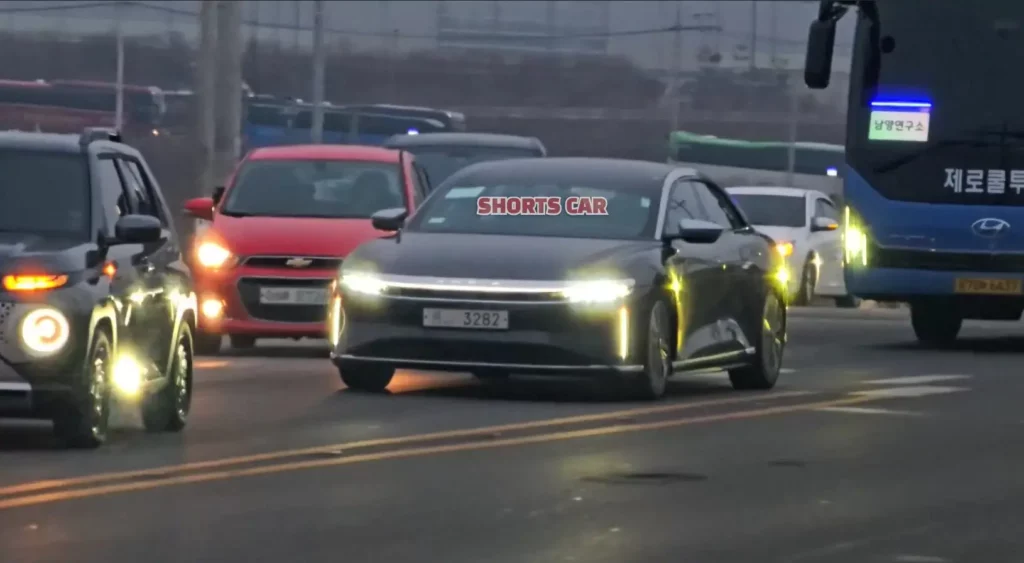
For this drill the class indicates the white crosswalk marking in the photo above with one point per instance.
(908, 392)
(915, 380)
(867, 410)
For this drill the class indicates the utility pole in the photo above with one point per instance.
(319, 62)
(677, 65)
(206, 88)
(794, 132)
(119, 94)
(753, 34)
(228, 96)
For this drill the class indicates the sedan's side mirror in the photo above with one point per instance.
(821, 224)
(137, 229)
(200, 208)
(695, 231)
(389, 219)
(218, 193)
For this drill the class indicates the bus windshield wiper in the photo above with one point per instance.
(908, 158)
(981, 138)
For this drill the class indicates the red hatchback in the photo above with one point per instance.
(280, 230)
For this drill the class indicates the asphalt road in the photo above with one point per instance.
(869, 450)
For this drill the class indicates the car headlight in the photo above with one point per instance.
(363, 282)
(785, 249)
(45, 331)
(213, 255)
(598, 291)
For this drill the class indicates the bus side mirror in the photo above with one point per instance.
(821, 42)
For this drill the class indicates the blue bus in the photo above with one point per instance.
(451, 120)
(934, 182)
(272, 123)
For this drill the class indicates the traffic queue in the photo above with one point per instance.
(627, 271)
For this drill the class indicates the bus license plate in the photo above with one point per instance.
(465, 318)
(988, 286)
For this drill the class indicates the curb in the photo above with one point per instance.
(863, 313)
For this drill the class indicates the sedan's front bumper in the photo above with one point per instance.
(542, 338)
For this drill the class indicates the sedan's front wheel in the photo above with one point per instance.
(371, 379)
(652, 382)
(763, 371)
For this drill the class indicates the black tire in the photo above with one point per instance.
(763, 372)
(847, 302)
(936, 325)
(650, 384)
(808, 282)
(369, 379)
(206, 343)
(167, 409)
(242, 342)
(84, 420)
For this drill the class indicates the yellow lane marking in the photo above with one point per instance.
(162, 471)
(58, 496)
(210, 364)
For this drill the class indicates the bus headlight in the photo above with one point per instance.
(44, 331)
(855, 240)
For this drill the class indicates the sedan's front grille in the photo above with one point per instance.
(249, 292)
(296, 262)
(6, 312)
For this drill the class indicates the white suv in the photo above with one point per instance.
(805, 226)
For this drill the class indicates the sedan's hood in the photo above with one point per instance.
(292, 236)
(498, 257)
(781, 234)
(23, 252)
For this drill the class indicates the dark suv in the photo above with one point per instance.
(95, 300)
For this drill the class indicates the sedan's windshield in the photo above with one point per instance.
(772, 210)
(441, 162)
(541, 209)
(44, 193)
(314, 188)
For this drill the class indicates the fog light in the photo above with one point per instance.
(334, 318)
(782, 276)
(623, 333)
(213, 308)
(127, 377)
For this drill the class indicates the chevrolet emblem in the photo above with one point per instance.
(298, 262)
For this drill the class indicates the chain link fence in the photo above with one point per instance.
(588, 78)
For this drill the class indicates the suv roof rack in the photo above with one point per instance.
(93, 134)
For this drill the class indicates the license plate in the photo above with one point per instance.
(292, 296)
(464, 318)
(988, 287)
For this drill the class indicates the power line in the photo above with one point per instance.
(65, 7)
(354, 33)
(256, 24)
